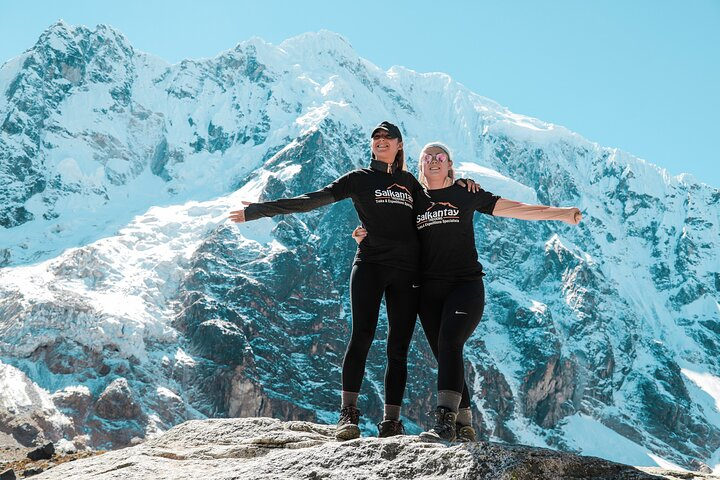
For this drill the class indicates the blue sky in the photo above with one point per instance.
(641, 75)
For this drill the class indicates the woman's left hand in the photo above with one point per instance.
(573, 217)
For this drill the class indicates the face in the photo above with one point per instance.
(383, 147)
(436, 167)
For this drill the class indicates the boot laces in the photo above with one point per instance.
(444, 421)
(349, 414)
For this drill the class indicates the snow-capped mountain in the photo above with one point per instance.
(128, 303)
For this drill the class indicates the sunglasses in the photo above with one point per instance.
(440, 157)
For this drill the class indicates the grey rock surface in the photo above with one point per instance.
(264, 448)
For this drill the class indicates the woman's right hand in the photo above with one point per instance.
(359, 234)
(238, 216)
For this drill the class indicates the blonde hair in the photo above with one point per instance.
(421, 165)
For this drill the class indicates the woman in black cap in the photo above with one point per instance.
(385, 265)
(452, 295)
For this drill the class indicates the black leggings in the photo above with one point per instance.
(449, 312)
(368, 283)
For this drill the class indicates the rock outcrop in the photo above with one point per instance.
(265, 448)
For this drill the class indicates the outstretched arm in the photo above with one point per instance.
(302, 203)
(334, 192)
(523, 211)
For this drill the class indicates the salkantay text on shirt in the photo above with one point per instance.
(432, 217)
(393, 196)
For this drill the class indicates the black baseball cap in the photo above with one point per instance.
(392, 130)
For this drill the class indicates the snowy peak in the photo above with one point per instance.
(68, 57)
(61, 38)
(263, 61)
(317, 44)
(80, 43)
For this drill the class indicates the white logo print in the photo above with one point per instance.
(395, 193)
(435, 216)
(415, 286)
(460, 313)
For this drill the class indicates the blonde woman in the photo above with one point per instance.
(452, 295)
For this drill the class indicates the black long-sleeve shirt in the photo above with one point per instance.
(383, 199)
(445, 227)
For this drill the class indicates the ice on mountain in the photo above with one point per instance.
(498, 184)
(707, 382)
(590, 437)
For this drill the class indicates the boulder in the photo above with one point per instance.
(44, 452)
(117, 402)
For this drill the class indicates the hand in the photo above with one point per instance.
(573, 217)
(238, 216)
(472, 187)
(359, 234)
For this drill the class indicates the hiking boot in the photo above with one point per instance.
(465, 433)
(347, 427)
(444, 428)
(390, 428)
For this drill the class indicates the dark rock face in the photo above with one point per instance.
(548, 390)
(76, 404)
(24, 432)
(117, 402)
